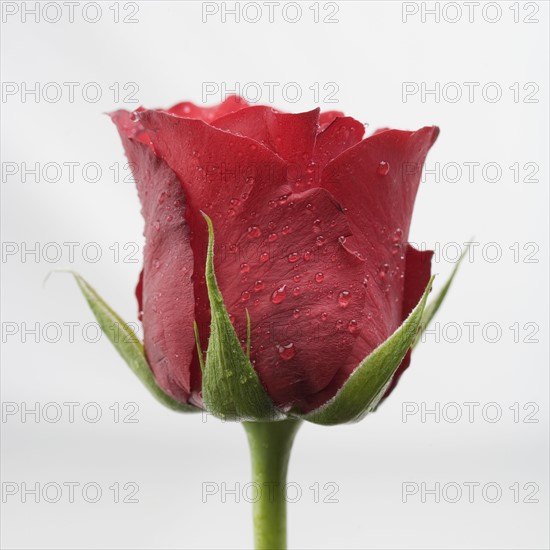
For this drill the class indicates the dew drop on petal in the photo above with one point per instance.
(296, 313)
(319, 277)
(245, 296)
(297, 278)
(293, 257)
(320, 241)
(259, 285)
(353, 326)
(279, 295)
(286, 230)
(156, 263)
(272, 237)
(254, 231)
(287, 352)
(245, 268)
(383, 271)
(397, 235)
(297, 291)
(308, 254)
(344, 298)
(264, 256)
(324, 316)
(383, 168)
(339, 324)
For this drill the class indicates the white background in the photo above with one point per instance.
(169, 53)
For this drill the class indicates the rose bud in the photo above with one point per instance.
(278, 243)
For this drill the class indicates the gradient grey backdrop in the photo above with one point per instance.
(169, 53)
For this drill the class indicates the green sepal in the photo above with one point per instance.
(127, 344)
(231, 389)
(368, 382)
(435, 303)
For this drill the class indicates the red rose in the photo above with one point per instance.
(311, 224)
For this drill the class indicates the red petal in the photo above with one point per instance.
(290, 136)
(326, 118)
(218, 172)
(379, 208)
(341, 134)
(376, 181)
(208, 114)
(302, 289)
(165, 291)
(129, 126)
(417, 275)
(259, 227)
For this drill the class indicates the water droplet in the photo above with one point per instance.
(324, 316)
(169, 218)
(320, 241)
(279, 295)
(282, 199)
(286, 353)
(259, 285)
(245, 268)
(317, 225)
(309, 206)
(353, 326)
(297, 291)
(296, 313)
(297, 278)
(156, 263)
(286, 230)
(245, 296)
(308, 254)
(254, 231)
(264, 256)
(319, 277)
(344, 298)
(231, 212)
(383, 168)
(293, 257)
(397, 234)
(339, 324)
(395, 249)
(383, 271)
(162, 197)
(272, 237)
(134, 116)
(156, 225)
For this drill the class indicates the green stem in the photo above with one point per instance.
(270, 445)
